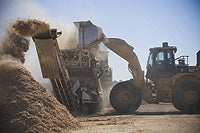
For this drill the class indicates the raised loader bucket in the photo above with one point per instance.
(89, 34)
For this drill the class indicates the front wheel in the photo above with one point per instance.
(125, 97)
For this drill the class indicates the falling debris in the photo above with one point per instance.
(16, 39)
(14, 45)
(30, 27)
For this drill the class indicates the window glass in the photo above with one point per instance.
(150, 60)
(169, 58)
(160, 56)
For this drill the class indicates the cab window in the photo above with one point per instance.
(170, 58)
(150, 59)
(160, 57)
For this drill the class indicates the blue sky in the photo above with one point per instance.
(142, 23)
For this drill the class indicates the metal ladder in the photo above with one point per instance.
(61, 86)
(53, 67)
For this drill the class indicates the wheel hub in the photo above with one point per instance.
(125, 96)
(191, 97)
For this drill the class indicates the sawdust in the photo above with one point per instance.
(25, 106)
(29, 27)
(14, 45)
(17, 36)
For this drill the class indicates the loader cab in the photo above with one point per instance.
(161, 62)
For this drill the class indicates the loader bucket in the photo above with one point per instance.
(89, 34)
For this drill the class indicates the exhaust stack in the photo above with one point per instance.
(198, 58)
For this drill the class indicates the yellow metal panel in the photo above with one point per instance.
(47, 57)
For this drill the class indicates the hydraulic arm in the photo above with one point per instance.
(124, 50)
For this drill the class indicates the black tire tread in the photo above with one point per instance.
(129, 107)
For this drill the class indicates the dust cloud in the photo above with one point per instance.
(69, 37)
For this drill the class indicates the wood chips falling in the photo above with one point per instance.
(29, 27)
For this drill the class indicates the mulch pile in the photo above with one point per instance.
(25, 106)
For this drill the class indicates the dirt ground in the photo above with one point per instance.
(147, 119)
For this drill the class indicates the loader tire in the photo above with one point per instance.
(125, 97)
(186, 97)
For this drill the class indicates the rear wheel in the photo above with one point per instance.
(125, 97)
(186, 97)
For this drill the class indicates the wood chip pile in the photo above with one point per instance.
(25, 106)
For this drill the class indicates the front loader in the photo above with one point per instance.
(166, 82)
